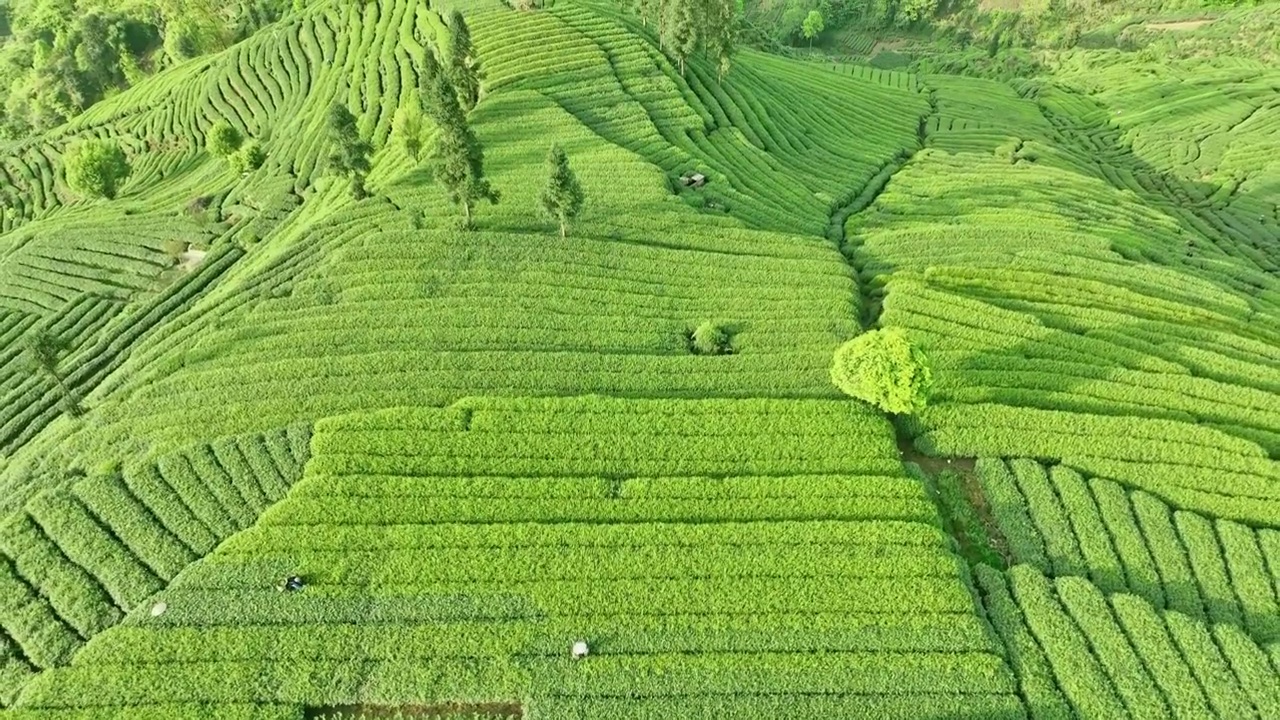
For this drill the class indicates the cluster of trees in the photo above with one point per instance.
(58, 57)
(228, 143)
(807, 18)
(447, 92)
(684, 26)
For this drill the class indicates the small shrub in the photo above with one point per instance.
(223, 139)
(709, 339)
(883, 368)
(199, 205)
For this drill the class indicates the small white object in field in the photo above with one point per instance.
(580, 650)
(158, 609)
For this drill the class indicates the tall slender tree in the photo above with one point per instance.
(457, 159)
(434, 87)
(681, 29)
(349, 152)
(721, 32)
(464, 67)
(562, 198)
(407, 125)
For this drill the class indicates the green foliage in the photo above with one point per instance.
(408, 126)
(96, 168)
(349, 154)
(1097, 301)
(223, 139)
(457, 160)
(681, 29)
(964, 520)
(884, 612)
(248, 158)
(685, 25)
(709, 339)
(464, 66)
(61, 57)
(562, 198)
(884, 368)
(812, 26)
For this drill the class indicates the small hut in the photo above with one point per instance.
(695, 180)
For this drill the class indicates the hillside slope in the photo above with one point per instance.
(478, 446)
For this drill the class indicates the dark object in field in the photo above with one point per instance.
(579, 650)
(292, 583)
(696, 180)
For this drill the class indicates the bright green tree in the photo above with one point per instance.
(562, 198)
(812, 26)
(223, 139)
(464, 68)
(407, 125)
(709, 339)
(96, 168)
(883, 368)
(349, 152)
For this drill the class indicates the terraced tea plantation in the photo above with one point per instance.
(315, 431)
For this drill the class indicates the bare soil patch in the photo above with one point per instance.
(190, 259)
(932, 465)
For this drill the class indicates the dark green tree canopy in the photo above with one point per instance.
(350, 153)
(464, 69)
(883, 368)
(96, 168)
(223, 139)
(562, 198)
(248, 158)
(457, 160)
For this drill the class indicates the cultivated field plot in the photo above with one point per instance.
(1060, 343)
(395, 316)
(757, 558)
(473, 444)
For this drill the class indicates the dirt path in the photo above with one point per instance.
(970, 487)
(1178, 24)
